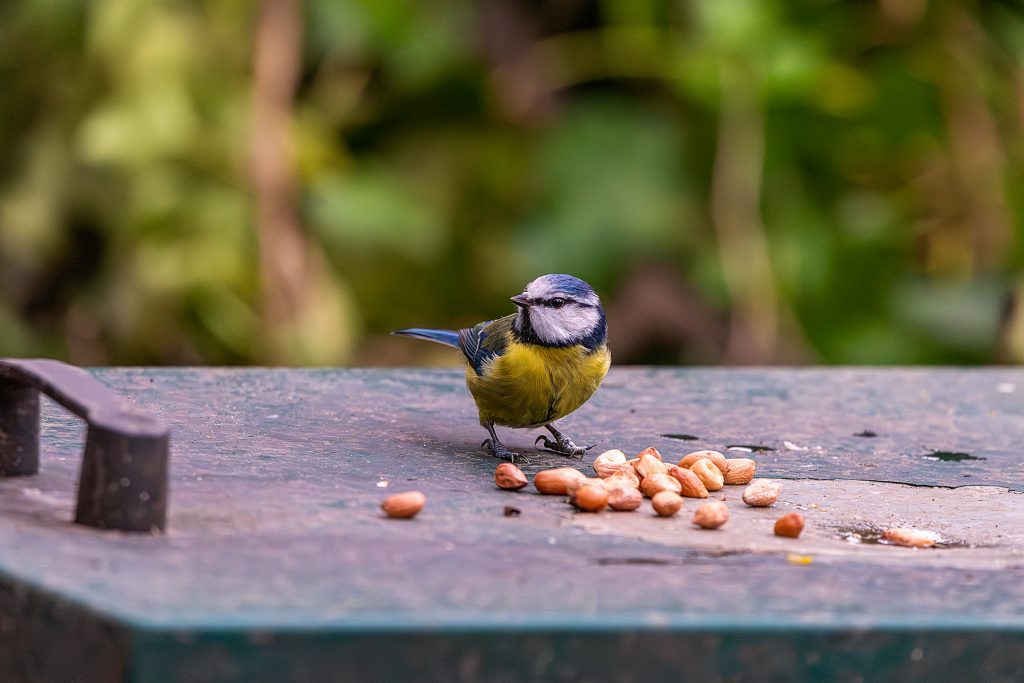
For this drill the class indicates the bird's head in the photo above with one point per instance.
(560, 310)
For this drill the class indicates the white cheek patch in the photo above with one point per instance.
(562, 325)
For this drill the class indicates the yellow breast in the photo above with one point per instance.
(529, 385)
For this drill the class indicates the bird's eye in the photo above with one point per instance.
(557, 302)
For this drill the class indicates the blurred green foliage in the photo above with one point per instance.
(839, 181)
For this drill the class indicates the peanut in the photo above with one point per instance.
(624, 499)
(659, 482)
(509, 477)
(740, 470)
(761, 493)
(648, 465)
(692, 486)
(610, 462)
(590, 497)
(403, 505)
(711, 515)
(556, 481)
(709, 474)
(714, 456)
(623, 479)
(789, 525)
(666, 503)
(910, 537)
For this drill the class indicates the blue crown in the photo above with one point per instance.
(569, 284)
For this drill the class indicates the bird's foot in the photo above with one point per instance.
(499, 450)
(563, 445)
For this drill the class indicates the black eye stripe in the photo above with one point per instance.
(550, 303)
(560, 301)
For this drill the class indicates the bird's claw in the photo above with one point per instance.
(499, 450)
(563, 446)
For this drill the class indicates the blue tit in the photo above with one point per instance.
(536, 366)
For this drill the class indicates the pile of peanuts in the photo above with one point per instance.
(622, 483)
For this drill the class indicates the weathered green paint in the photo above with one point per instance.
(277, 563)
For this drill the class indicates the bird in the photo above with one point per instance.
(533, 367)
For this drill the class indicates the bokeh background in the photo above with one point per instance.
(283, 182)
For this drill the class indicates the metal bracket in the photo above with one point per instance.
(123, 482)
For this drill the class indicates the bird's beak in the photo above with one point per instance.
(521, 300)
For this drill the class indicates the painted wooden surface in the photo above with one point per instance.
(278, 563)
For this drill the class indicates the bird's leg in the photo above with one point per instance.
(562, 444)
(497, 447)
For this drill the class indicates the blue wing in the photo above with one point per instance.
(446, 337)
(478, 343)
(485, 341)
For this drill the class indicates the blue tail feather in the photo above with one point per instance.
(446, 337)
